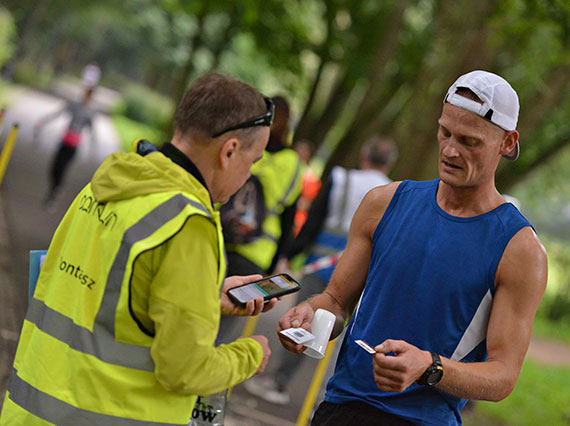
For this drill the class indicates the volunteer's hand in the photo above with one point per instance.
(395, 373)
(253, 307)
(262, 340)
(298, 316)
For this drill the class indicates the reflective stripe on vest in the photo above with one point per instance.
(99, 343)
(283, 199)
(281, 203)
(269, 237)
(61, 413)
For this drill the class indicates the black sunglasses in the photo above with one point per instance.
(264, 119)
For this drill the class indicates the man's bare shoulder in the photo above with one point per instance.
(526, 246)
(524, 259)
(379, 198)
(374, 206)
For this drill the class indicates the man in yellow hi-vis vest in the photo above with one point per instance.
(122, 324)
(280, 173)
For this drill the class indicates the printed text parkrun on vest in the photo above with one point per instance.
(91, 206)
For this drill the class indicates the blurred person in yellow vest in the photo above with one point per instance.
(280, 175)
(323, 238)
(122, 324)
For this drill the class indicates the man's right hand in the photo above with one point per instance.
(298, 316)
(262, 340)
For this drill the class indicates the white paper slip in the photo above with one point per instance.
(365, 346)
(298, 335)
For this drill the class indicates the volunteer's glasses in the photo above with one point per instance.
(264, 119)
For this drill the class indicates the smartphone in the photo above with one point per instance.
(268, 288)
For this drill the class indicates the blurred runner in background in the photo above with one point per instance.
(81, 117)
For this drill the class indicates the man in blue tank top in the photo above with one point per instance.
(442, 278)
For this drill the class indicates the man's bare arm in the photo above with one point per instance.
(520, 282)
(349, 277)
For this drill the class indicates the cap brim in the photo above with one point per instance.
(514, 154)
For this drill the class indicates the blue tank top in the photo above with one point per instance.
(430, 283)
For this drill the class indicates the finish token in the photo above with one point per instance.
(365, 346)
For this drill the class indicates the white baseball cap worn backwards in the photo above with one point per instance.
(500, 101)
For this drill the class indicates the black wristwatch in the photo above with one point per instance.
(433, 374)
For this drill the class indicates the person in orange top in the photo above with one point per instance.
(311, 184)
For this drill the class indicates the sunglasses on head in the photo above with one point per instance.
(264, 119)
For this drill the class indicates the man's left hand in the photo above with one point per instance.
(395, 373)
(253, 307)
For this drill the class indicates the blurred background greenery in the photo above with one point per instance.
(350, 68)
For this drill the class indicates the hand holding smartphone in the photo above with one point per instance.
(268, 288)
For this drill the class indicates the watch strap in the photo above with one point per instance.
(436, 360)
(434, 371)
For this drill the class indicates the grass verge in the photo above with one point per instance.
(8, 93)
(541, 396)
(545, 328)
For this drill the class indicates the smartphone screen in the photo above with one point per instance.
(267, 288)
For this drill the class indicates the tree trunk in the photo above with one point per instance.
(303, 130)
(347, 150)
(545, 100)
(333, 110)
(305, 125)
(152, 76)
(37, 11)
(182, 77)
(387, 47)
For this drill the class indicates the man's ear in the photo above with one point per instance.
(228, 150)
(509, 142)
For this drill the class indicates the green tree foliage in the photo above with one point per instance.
(7, 31)
(352, 68)
(412, 51)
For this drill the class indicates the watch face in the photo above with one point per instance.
(433, 374)
(434, 378)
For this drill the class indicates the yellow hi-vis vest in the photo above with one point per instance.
(82, 359)
(280, 175)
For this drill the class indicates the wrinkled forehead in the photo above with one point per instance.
(461, 121)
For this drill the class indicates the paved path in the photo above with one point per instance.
(549, 352)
